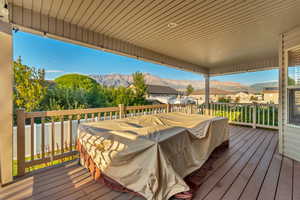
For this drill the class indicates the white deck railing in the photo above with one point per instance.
(252, 114)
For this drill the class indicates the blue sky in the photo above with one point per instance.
(59, 58)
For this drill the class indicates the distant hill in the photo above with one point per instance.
(260, 86)
(125, 80)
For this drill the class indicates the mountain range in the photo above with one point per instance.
(115, 80)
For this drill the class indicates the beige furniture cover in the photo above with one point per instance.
(152, 154)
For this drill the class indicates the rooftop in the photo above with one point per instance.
(160, 89)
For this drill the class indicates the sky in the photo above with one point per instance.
(59, 58)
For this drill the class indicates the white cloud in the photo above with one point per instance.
(54, 71)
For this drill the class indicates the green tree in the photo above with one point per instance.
(76, 81)
(189, 89)
(291, 81)
(29, 86)
(224, 100)
(94, 93)
(140, 88)
(60, 98)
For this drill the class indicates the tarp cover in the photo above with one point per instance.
(152, 154)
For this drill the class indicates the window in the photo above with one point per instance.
(293, 88)
(294, 106)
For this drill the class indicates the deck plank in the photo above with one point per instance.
(296, 181)
(211, 182)
(254, 184)
(241, 170)
(285, 183)
(269, 186)
(251, 168)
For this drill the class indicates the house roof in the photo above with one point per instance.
(270, 90)
(160, 89)
(212, 91)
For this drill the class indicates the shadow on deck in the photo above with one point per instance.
(250, 169)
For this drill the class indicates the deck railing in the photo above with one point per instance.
(255, 115)
(46, 137)
(49, 137)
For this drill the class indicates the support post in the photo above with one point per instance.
(207, 112)
(6, 105)
(122, 110)
(21, 141)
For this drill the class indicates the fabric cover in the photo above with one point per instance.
(152, 154)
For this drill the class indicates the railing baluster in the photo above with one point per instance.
(70, 132)
(268, 115)
(62, 134)
(43, 137)
(99, 116)
(263, 109)
(32, 137)
(273, 115)
(78, 118)
(52, 138)
(258, 114)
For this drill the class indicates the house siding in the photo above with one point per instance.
(289, 136)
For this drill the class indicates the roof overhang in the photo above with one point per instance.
(209, 37)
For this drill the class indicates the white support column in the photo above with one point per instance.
(206, 94)
(6, 103)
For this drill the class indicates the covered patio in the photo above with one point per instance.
(206, 37)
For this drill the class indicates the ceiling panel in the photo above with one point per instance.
(210, 33)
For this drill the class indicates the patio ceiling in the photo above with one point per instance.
(205, 36)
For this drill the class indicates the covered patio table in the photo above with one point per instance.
(151, 154)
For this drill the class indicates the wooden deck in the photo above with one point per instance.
(250, 169)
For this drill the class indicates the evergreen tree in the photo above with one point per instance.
(140, 88)
(189, 89)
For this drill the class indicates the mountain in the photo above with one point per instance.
(260, 86)
(125, 80)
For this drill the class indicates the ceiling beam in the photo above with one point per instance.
(36, 23)
(259, 65)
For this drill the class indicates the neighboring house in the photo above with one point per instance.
(161, 93)
(242, 97)
(271, 95)
(214, 95)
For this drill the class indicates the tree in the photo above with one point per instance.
(78, 83)
(29, 86)
(291, 81)
(189, 89)
(60, 98)
(223, 100)
(140, 88)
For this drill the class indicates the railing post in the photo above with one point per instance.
(254, 115)
(122, 110)
(21, 141)
(168, 108)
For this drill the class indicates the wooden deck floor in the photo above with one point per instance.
(250, 169)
